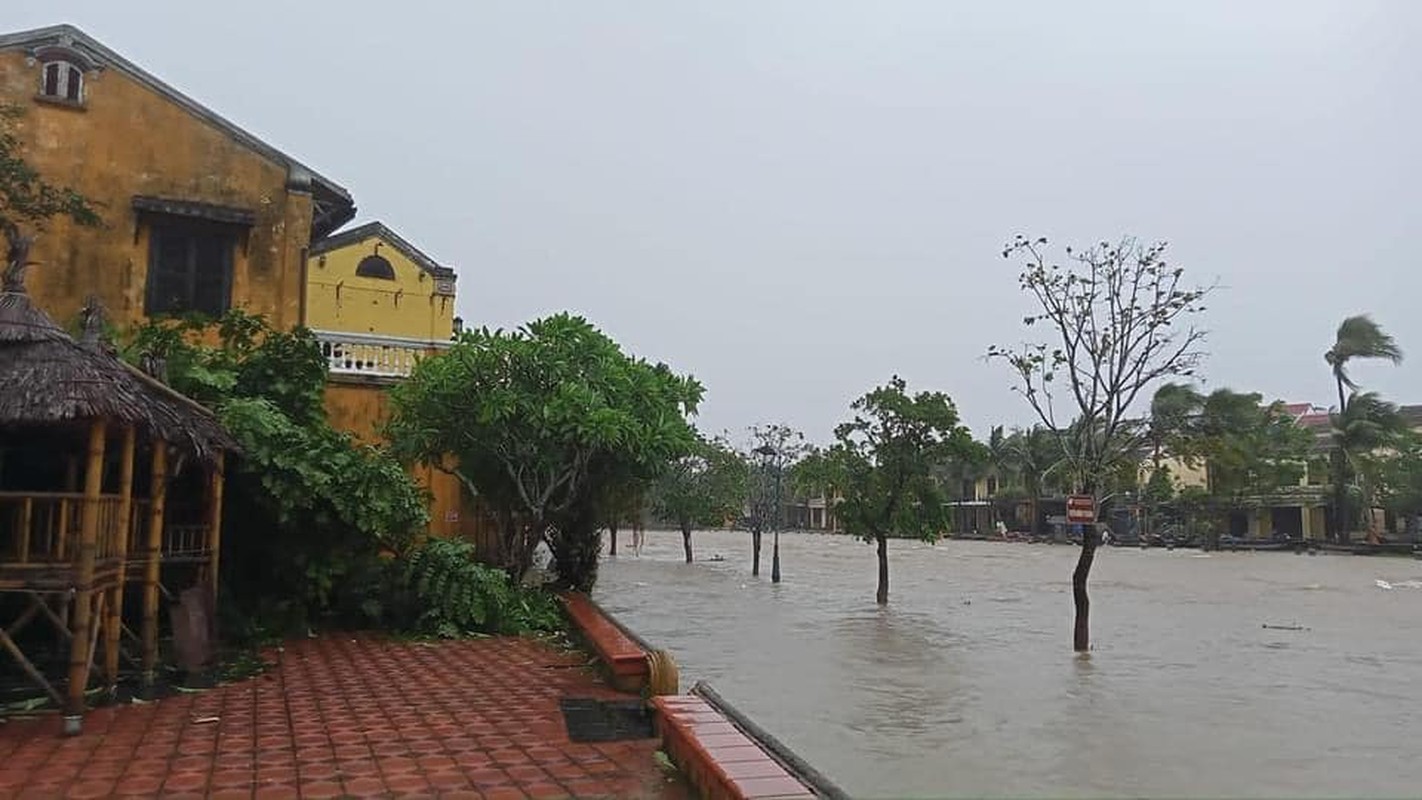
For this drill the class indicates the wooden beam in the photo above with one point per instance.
(122, 527)
(152, 559)
(84, 589)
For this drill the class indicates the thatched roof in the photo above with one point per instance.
(49, 378)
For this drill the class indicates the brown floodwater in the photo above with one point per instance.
(966, 684)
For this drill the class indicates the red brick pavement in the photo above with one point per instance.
(348, 717)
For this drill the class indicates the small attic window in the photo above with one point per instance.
(375, 266)
(62, 81)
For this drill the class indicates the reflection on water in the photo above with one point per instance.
(966, 684)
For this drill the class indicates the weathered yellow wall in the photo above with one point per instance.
(1183, 474)
(362, 408)
(129, 140)
(339, 300)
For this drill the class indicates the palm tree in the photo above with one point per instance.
(1366, 425)
(1172, 410)
(1358, 337)
(1036, 454)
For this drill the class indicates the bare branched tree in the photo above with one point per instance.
(1119, 321)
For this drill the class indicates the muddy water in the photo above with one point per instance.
(965, 684)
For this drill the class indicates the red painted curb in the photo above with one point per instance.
(624, 658)
(719, 759)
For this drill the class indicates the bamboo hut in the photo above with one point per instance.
(87, 448)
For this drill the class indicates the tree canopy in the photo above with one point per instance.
(882, 466)
(704, 488)
(545, 422)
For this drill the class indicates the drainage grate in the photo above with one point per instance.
(591, 720)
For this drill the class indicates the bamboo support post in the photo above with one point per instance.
(60, 546)
(152, 560)
(83, 607)
(120, 525)
(27, 518)
(214, 525)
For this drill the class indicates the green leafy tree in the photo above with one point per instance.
(311, 513)
(1249, 448)
(1119, 322)
(1358, 337)
(883, 463)
(1399, 479)
(28, 202)
(545, 423)
(1173, 409)
(702, 489)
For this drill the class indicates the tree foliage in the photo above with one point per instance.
(882, 466)
(27, 201)
(1119, 320)
(456, 596)
(1358, 337)
(309, 510)
(704, 488)
(1367, 435)
(545, 423)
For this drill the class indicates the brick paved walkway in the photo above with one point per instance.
(348, 717)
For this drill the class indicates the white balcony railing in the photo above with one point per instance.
(373, 355)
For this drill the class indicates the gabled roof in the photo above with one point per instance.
(334, 206)
(378, 230)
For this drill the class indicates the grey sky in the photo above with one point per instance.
(794, 201)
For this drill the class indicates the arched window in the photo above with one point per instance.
(375, 266)
(63, 81)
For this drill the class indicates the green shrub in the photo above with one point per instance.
(454, 595)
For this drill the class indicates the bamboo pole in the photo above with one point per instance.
(214, 524)
(121, 525)
(79, 645)
(152, 559)
(27, 518)
(60, 547)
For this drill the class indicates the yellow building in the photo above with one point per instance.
(198, 214)
(201, 216)
(378, 305)
(368, 280)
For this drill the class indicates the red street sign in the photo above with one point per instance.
(1081, 508)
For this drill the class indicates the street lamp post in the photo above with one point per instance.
(771, 457)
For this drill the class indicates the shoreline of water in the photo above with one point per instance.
(966, 684)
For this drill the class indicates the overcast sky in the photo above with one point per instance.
(795, 200)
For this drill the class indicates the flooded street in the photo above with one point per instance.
(966, 683)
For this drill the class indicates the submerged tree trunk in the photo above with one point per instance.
(882, 598)
(686, 540)
(1081, 638)
(612, 532)
(755, 551)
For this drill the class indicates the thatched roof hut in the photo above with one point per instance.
(71, 548)
(50, 378)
